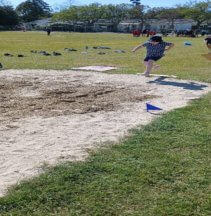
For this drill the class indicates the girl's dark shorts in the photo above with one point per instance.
(154, 58)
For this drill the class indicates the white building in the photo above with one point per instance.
(38, 24)
(156, 25)
(166, 25)
(128, 25)
(184, 24)
(104, 25)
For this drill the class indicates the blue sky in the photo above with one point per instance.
(151, 3)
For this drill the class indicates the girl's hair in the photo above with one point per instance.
(156, 38)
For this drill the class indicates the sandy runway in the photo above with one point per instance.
(52, 116)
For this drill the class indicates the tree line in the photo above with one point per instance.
(31, 10)
(26, 11)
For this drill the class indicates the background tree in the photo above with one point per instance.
(44, 6)
(116, 13)
(139, 12)
(171, 14)
(199, 12)
(31, 10)
(93, 12)
(90, 13)
(69, 15)
(8, 16)
(154, 13)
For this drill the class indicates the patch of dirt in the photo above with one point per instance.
(22, 98)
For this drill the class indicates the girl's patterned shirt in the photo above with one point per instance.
(156, 50)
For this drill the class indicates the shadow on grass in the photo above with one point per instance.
(188, 86)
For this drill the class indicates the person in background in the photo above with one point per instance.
(48, 31)
(207, 40)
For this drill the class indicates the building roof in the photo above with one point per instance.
(157, 21)
(41, 22)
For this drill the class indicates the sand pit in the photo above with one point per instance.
(52, 116)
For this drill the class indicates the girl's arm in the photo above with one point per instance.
(169, 47)
(138, 47)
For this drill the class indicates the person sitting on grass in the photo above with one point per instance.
(155, 51)
(208, 42)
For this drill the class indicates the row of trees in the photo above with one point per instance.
(36, 9)
(199, 12)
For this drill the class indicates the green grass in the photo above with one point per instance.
(162, 169)
(183, 61)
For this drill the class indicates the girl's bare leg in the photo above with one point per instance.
(145, 63)
(149, 66)
(156, 67)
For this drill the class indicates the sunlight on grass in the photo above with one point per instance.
(183, 61)
(163, 169)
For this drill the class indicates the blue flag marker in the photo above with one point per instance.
(188, 43)
(151, 107)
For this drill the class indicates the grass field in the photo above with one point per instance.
(162, 169)
(183, 61)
